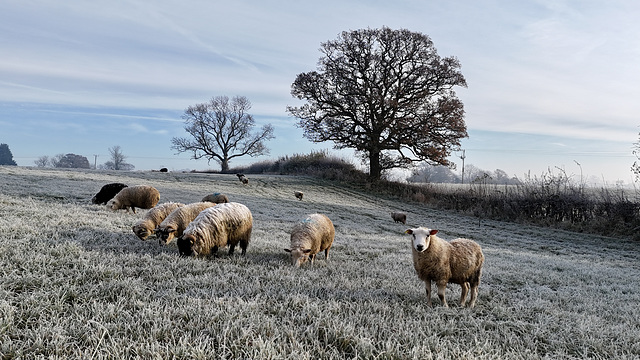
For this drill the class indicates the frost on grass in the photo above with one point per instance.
(75, 282)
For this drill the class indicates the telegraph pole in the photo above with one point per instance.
(463, 156)
(95, 161)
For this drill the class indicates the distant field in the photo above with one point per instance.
(75, 282)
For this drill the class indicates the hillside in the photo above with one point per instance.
(76, 283)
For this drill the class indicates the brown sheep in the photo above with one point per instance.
(216, 198)
(298, 194)
(174, 224)
(216, 227)
(310, 236)
(459, 262)
(146, 226)
(132, 197)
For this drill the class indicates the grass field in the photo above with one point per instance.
(75, 282)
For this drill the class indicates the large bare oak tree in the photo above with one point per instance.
(385, 93)
(222, 130)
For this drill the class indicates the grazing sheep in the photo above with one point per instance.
(178, 220)
(240, 176)
(459, 262)
(107, 193)
(216, 198)
(310, 236)
(298, 194)
(244, 180)
(398, 216)
(215, 227)
(146, 226)
(132, 197)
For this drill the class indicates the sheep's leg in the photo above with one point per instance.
(464, 291)
(427, 285)
(326, 254)
(243, 246)
(232, 248)
(442, 288)
(474, 293)
(475, 282)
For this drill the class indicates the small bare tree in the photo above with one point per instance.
(42, 161)
(222, 130)
(117, 161)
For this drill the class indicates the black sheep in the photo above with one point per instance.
(107, 193)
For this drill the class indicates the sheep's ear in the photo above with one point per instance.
(433, 232)
(306, 251)
(287, 250)
(409, 231)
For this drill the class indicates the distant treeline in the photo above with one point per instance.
(551, 199)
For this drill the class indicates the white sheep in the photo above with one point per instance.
(132, 197)
(174, 224)
(244, 180)
(310, 236)
(459, 262)
(216, 198)
(146, 226)
(398, 216)
(298, 194)
(216, 227)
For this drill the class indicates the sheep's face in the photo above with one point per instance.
(298, 256)
(186, 245)
(421, 238)
(141, 231)
(114, 204)
(165, 234)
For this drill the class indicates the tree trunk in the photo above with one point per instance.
(225, 165)
(374, 166)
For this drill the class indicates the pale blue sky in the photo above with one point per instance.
(550, 82)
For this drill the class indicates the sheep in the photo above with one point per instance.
(107, 192)
(132, 197)
(147, 225)
(174, 224)
(459, 262)
(240, 176)
(216, 198)
(164, 170)
(310, 236)
(398, 216)
(244, 180)
(215, 227)
(298, 194)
